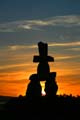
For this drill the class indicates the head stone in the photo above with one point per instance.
(43, 49)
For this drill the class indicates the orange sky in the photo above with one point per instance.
(16, 66)
(15, 83)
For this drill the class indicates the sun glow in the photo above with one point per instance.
(42, 83)
(43, 93)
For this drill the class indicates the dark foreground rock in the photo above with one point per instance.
(56, 108)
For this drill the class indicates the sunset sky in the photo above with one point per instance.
(23, 23)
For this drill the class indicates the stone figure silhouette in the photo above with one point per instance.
(43, 74)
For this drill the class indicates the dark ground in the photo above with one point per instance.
(55, 108)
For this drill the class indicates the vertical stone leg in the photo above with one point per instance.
(51, 86)
(34, 88)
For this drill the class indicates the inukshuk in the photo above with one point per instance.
(43, 74)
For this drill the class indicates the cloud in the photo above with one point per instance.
(74, 49)
(77, 43)
(66, 57)
(18, 47)
(66, 21)
(14, 65)
(53, 44)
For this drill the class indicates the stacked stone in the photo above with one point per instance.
(43, 74)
